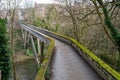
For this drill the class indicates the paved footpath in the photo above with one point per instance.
(68, 65)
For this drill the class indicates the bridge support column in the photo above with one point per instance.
(39, 49)
(28, 41)
(24, 36)
(35, 51)
(42, 48)
(25, 40)
(22, 33)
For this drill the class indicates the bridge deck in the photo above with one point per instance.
(68, 65)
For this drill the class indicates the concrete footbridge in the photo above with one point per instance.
(66, 59)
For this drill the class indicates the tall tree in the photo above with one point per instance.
(108, 20)
(12, 10)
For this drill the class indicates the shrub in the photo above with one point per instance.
(4, 52)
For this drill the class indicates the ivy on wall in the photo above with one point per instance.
(4, 51)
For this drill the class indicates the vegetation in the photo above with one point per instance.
(50, 21)
(4, 51)
(94, 23)
(113, 31)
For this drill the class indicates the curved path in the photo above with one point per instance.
(68, 65)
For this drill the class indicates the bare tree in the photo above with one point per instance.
(29, 11)
(95, 24)
(108, 14)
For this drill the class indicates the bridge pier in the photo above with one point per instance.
(22, 30)
(39, 49)
(35, 51)
(24, 36)
(42, 48)
(28, 40)
(25, 41)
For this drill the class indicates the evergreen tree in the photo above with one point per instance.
(4, 51)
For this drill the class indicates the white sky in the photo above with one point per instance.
(31, 2)
(26, 3)
(44, 1)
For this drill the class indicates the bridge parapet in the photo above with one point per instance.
(46, 39)
(104, 70)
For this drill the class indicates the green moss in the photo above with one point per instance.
(98, 60)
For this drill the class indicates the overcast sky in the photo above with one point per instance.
(26, 3)
(44, 1)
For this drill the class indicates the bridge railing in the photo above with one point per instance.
(48, 40)
(104, 70)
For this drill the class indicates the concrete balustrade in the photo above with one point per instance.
(104, 70)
